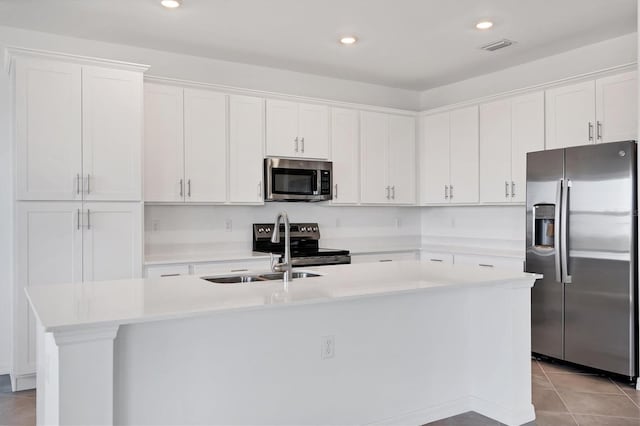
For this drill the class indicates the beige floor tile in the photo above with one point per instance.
(558, 368)
(584, 420)
(540, 382)
(599, 404)
(554, 419)
(583, 383)
(535, 367)
(17, 411)
(548, 400)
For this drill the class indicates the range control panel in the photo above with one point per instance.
(264, 231)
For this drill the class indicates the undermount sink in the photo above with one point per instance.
(237, 279)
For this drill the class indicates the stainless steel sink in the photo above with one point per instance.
(237, 279)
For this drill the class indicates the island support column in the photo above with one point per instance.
(75, 376)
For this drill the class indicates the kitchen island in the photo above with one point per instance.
(381, 343)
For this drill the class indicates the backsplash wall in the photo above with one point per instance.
(202, 229)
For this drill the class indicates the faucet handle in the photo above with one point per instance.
(273, 261)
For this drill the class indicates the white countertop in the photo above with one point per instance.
(82, 305)
(222, 256)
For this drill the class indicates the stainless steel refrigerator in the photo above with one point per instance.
(582, 236)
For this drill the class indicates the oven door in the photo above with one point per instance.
(294, 180)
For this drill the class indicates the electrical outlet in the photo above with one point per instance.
(327, 347)
(228, 225)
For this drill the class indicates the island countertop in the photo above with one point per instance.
(65, 307)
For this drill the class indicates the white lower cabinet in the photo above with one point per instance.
(384, 257)
(430, 256)
(68, 242)
(508, 263)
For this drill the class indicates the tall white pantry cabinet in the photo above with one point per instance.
(78, 126)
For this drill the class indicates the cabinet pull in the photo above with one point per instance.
(296, 143)
(446, 192)
(513, 189)
(335, 193)
(436, 260)
(451, 192)
(88, 219)
(590, 131)
(78, 184)
(79, 219)
(506, 189)
(485, 265)
(259, 190)
(239, 270)
(385, 260)
(393, 192)
(599, 130)
(302, 145)
(169, 275)
(88, 183)
(189, 188)
(181, 187)
(388, 195)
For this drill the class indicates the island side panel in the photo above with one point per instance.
(398, 359)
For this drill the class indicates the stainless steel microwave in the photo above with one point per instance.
(297, 180)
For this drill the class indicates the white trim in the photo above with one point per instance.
(275, 95)
(431, 414)
(20, 382)
(81, 335)
(537, 87)
(11, 52)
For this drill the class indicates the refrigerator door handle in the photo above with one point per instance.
(564, 234)
(557, 230)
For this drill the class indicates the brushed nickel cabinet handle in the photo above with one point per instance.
(181, 188)
(88, 219)
(259, 190)
(302, 145)
(189, 188)
(79, 218)
(88, 183)
(335, 193)
(388, 194)
(78, 184)
(506, 189)
(393, 192)
(296, 143)
(590, 131)
(446, 192)
(599, 130)
(451, 192)
(513, 189)
(485, 265)
(436, 260)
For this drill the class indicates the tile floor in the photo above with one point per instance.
(562, 396)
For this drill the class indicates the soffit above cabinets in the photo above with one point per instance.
(412, 44)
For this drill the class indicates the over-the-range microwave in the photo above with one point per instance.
(297, 180)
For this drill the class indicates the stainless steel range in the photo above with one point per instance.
(305, 250)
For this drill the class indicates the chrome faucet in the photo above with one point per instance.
(284, 267)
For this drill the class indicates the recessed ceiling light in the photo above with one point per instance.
(484, 25)
(348, 40)
(171, 4)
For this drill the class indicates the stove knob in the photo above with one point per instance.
(303, 229)
(260, 230)
(315, 229)
(268, 229)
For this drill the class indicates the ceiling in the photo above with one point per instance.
(410, 44)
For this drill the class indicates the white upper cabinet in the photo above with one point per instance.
(434, 158)
(246, 152)
(297, 130)
(570, 112)
(48, 113)
(345, 152)
(463, 187)
(185, 145)
(205, 146)
(78, 131)
(509, 129)
(402, 159)
(112, 134)
(604, 110)
(387, 158)
(617, 108)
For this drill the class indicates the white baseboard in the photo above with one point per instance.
(20, 382)
(431, 414)
(5, 369)
(507, 415)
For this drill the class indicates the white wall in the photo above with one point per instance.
(6, 225)
(197, 229)
(594, 57)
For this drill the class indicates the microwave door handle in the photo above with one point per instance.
(564, 233)
(556, 231)
(314, 187)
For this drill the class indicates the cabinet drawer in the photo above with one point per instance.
(384, 257)
(166, 271)
(230, 267)
(510, 263)
(436, 257)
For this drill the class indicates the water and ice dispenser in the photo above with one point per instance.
(544, 225)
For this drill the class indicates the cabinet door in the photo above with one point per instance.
(488, 262)
(495, 152)
(48, 251)
(205, 146)
(282, 129)
(163, 143)
(48, 130)
(374, 131)
(112, 241)
(345, 153)
(112, 117)
(527, 135)
(246, 152)
(313, 130)
(434, 158)
(464, 156)
(402, 159)
(570, 115)
(617, 108)
(385, 257)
